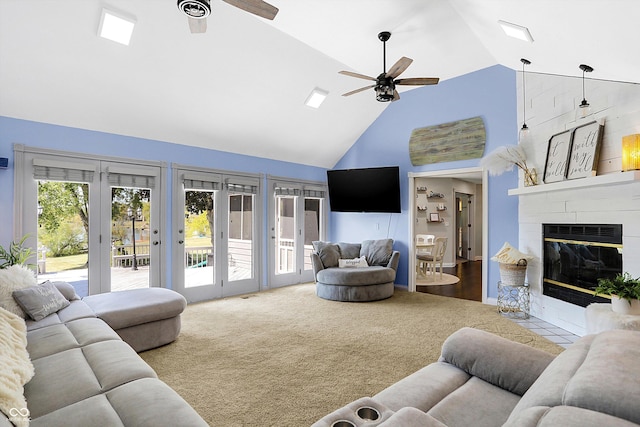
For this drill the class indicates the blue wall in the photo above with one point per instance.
(34, 134)
(488, 93)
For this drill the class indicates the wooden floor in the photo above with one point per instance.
(470, 286)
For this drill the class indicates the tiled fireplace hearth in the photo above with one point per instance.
(605, 200)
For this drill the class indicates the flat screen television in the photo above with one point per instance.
(364, 190)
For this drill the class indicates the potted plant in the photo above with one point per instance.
(17, 254)
(624, 291)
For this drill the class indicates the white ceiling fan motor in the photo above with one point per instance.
(197, 9)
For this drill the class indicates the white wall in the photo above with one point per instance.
(551, 108)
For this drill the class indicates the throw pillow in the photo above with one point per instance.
(353, 263)
(349, 250)
(329, 253)
(67, 290)
(11, 279)
(41, 300)
(377, 252)
(15, 368)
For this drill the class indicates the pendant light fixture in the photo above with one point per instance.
(524, 130)
(584, 107)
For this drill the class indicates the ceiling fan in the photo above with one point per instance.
(386, 82)
(198, 10)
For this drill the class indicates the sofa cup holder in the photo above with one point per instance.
(368, 413)
(343, 423)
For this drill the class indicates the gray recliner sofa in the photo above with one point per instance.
(483, 380)
(373, 282)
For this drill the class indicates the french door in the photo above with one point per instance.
(297, 217)
(217, 239)
(94, 221)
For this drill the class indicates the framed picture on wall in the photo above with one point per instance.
(559, 148)
(434, 217)
(585, 150)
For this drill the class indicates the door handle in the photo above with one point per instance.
(155, 243)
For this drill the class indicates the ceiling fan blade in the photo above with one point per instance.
(358, 90)
(396, 95)
(360, 76)
(418, 81)
(397, 68)
(257, 7)
(197, 26)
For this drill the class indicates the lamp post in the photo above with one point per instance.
(133, 218)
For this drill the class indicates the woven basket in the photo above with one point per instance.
(513, 274)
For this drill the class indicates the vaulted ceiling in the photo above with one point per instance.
(241, 86)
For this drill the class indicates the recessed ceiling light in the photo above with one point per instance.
(315, 98)
(116, 27)
(516, 31)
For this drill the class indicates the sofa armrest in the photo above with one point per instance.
(393, 261)
(317, 265)
(506, 364)
(409, 416)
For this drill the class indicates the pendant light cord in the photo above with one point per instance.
(524, 99)
(524, 94)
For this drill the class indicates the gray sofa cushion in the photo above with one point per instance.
(136, 306)
(474, 351)
(349, 250)
(565, 416)
(377, 252)
(356, 276)
(594, 373)
(329, 253)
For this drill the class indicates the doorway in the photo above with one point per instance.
(216, 248)
(463, 226)
(457, 182)
(95, 220)
(297, 217)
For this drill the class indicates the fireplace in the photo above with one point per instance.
(575, 256)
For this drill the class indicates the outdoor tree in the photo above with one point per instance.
(197, 202)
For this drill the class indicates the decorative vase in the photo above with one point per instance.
(530, 177)
(623, 306)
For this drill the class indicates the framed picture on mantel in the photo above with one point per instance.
(555, 169)
(585, 150)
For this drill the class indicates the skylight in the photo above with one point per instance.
(316, 98)
(115, 27)
(516, 31)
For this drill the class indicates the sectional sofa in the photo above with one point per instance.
(75, 369)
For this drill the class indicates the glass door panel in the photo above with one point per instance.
(312, 215)
(240, 237)
(285, 236)
(63, 233)
(199, 244)
(130, 257)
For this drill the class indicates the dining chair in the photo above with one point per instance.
(424, 246)
(435, 257)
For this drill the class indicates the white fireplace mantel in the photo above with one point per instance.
(600, 180)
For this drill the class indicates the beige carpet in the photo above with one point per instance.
(285, 357)
(428, 280)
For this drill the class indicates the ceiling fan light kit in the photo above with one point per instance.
(385, 83)
(198, 10)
